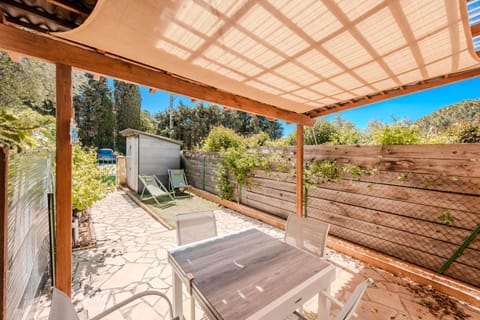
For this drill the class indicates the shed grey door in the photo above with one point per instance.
(132, 163)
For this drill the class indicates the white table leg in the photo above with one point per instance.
(323, 311)
(177, 296)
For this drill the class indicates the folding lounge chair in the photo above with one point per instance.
(62, 307)
(178, 181)
(156, 190)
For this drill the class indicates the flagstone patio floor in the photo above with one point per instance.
(131, 256)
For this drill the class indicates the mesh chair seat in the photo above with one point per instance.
(307, 234)
(195, 226)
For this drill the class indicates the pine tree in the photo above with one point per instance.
(94, 114)
(127, 107)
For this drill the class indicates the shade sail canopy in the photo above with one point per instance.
(297, 55)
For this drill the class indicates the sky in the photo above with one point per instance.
(411, 107)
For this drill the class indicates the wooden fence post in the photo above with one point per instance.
(299, 165)
(63, 180)
(3, 229)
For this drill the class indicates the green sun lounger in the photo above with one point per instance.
(157, 191)
(178, 181)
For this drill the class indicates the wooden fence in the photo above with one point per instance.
(420, 206)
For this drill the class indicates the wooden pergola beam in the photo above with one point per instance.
(69, 6)
(422, 85)
(63, 181)
(475, 30)
(57, 51)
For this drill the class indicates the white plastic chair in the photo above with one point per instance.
(307, 234)
(193, 227)
(62, 307)
(347, 309)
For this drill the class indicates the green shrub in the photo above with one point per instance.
(400, 132)
(221, 138)
(259, 140)
(465, 132)
(88, 184)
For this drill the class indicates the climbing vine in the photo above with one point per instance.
(319, 172)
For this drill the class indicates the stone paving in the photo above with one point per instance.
(131, 256)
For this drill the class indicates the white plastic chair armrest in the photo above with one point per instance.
(337, 302)
(135, 297)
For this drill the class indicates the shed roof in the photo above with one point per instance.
(133, 132)
(303, 56)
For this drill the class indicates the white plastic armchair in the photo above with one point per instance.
(348, 309)
(193, 227)
(307, 234)
(62, 307)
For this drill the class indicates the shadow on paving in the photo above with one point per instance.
(182, 205)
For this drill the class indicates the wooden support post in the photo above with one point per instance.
(300, 170)
(3, 230)
(63, 180)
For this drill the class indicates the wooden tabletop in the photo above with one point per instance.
(239, 274)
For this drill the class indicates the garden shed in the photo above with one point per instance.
(149, 154)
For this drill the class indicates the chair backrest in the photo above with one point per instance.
(153, 185)
(352, 303)
(177, 178)
(195, 226)
(307, 234)
(62, 307)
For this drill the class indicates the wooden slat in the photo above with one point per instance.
(476, 30)
(56, 51)
(3, 231)
(445, 200)
(465, 220)
(424, 85)
(412, 244)
(434, 151)
(63, 180)
(435, 182)
(299, 164)
(431, 230)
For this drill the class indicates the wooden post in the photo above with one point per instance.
(3, 230)
(299, 170)
(63, 181)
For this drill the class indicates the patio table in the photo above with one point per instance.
(249, 275)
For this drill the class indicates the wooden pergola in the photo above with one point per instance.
(289, 66)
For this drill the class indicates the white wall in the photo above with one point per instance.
(157, 156)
